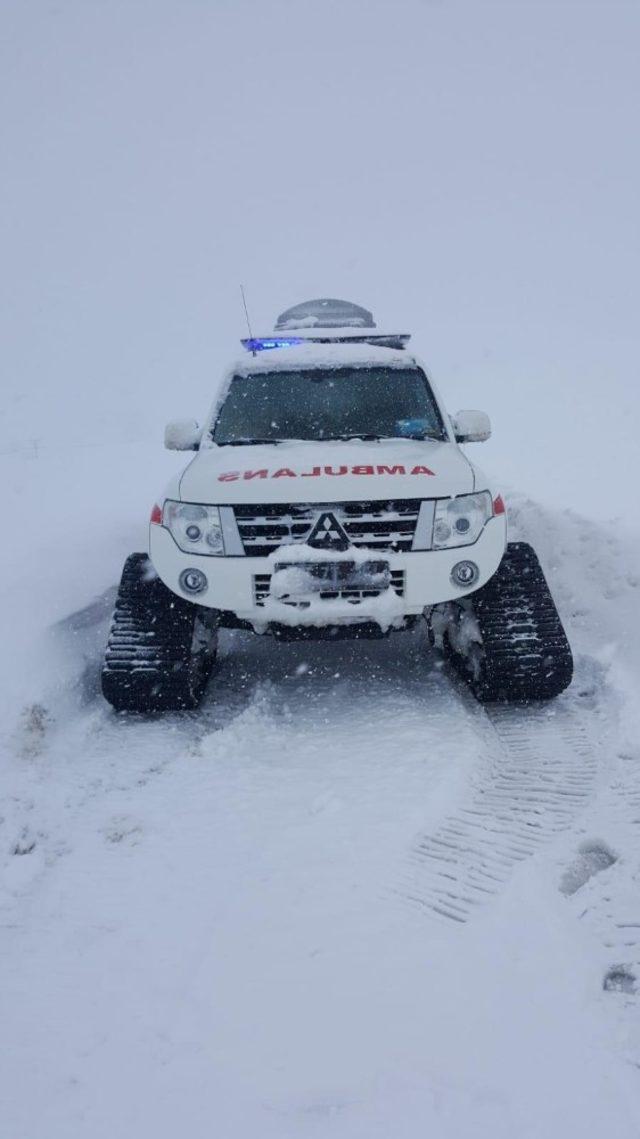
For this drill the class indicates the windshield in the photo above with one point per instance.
(329, 403)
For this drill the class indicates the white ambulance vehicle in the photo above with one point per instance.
(329, 496)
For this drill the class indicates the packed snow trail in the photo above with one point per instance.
(539, 777)
(208, 924)
(213, 939)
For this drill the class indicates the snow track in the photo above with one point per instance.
(602, 881)
(539, 777)
(201, 924)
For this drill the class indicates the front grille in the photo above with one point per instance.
(262, 584)
(383, 525)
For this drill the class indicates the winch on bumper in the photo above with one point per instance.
(366, 585)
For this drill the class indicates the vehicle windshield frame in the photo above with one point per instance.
(436, 431)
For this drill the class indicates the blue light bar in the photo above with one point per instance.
(261, 343)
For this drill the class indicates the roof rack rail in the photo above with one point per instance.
(380, 339)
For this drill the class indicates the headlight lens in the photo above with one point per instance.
(460, 521)
(195, 529)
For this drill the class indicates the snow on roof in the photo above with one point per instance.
(321, 356)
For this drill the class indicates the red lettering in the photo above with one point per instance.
(315, 472)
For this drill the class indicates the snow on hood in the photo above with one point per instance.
(341, 471)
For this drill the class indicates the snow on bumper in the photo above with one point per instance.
(242, 585)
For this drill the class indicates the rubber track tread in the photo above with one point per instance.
(149, 663)
(525, 651)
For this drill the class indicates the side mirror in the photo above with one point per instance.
(471, 426)
(182, 435)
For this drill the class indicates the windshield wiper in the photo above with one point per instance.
(244, 442)
(377, 438)
(351, 435)
(422, 436)
(368, 437)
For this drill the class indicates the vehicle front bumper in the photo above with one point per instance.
(232, 580)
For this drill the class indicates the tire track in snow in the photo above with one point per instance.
(539, 777)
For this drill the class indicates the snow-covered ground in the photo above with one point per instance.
(342, 900)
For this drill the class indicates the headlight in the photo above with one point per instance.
(460, 521)
(195, 529)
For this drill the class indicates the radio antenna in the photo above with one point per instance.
(246, 313)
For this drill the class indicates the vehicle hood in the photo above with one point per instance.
(346, 471)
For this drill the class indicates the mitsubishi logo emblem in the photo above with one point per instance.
(327, 534)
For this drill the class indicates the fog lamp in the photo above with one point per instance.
(465, 574)
(193, 581)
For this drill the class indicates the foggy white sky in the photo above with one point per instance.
(467, 170)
